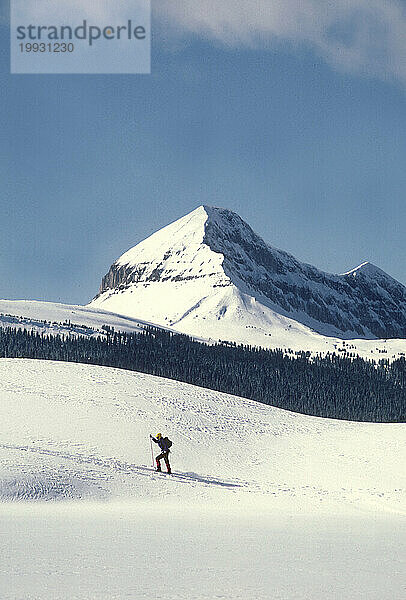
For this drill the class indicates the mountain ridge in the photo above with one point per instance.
(211, 249)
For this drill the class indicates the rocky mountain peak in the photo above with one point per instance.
(185, 265)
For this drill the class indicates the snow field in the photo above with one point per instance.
(160, 550)
(76, 431)
(30, 314)
(263, 503)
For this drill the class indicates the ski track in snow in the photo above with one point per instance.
(79, 476)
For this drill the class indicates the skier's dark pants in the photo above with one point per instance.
(165, 456)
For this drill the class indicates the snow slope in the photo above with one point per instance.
(80, 431)
(263, 503)
(53, 318)
(209, 275)
(254, 324)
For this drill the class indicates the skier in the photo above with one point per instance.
(164, 443)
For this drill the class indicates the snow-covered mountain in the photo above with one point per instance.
(209, 274)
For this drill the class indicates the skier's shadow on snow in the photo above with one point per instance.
(117, 465)
(187, 477)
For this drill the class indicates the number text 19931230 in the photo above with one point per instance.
(47, 47)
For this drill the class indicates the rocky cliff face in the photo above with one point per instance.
(213, 248)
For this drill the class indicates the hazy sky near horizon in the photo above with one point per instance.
(292, 114)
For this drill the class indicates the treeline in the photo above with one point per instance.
(326, 386)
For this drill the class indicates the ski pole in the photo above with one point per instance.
(152, 451)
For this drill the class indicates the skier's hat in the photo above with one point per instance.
(158, 436)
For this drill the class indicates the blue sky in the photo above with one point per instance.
(298, 123)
